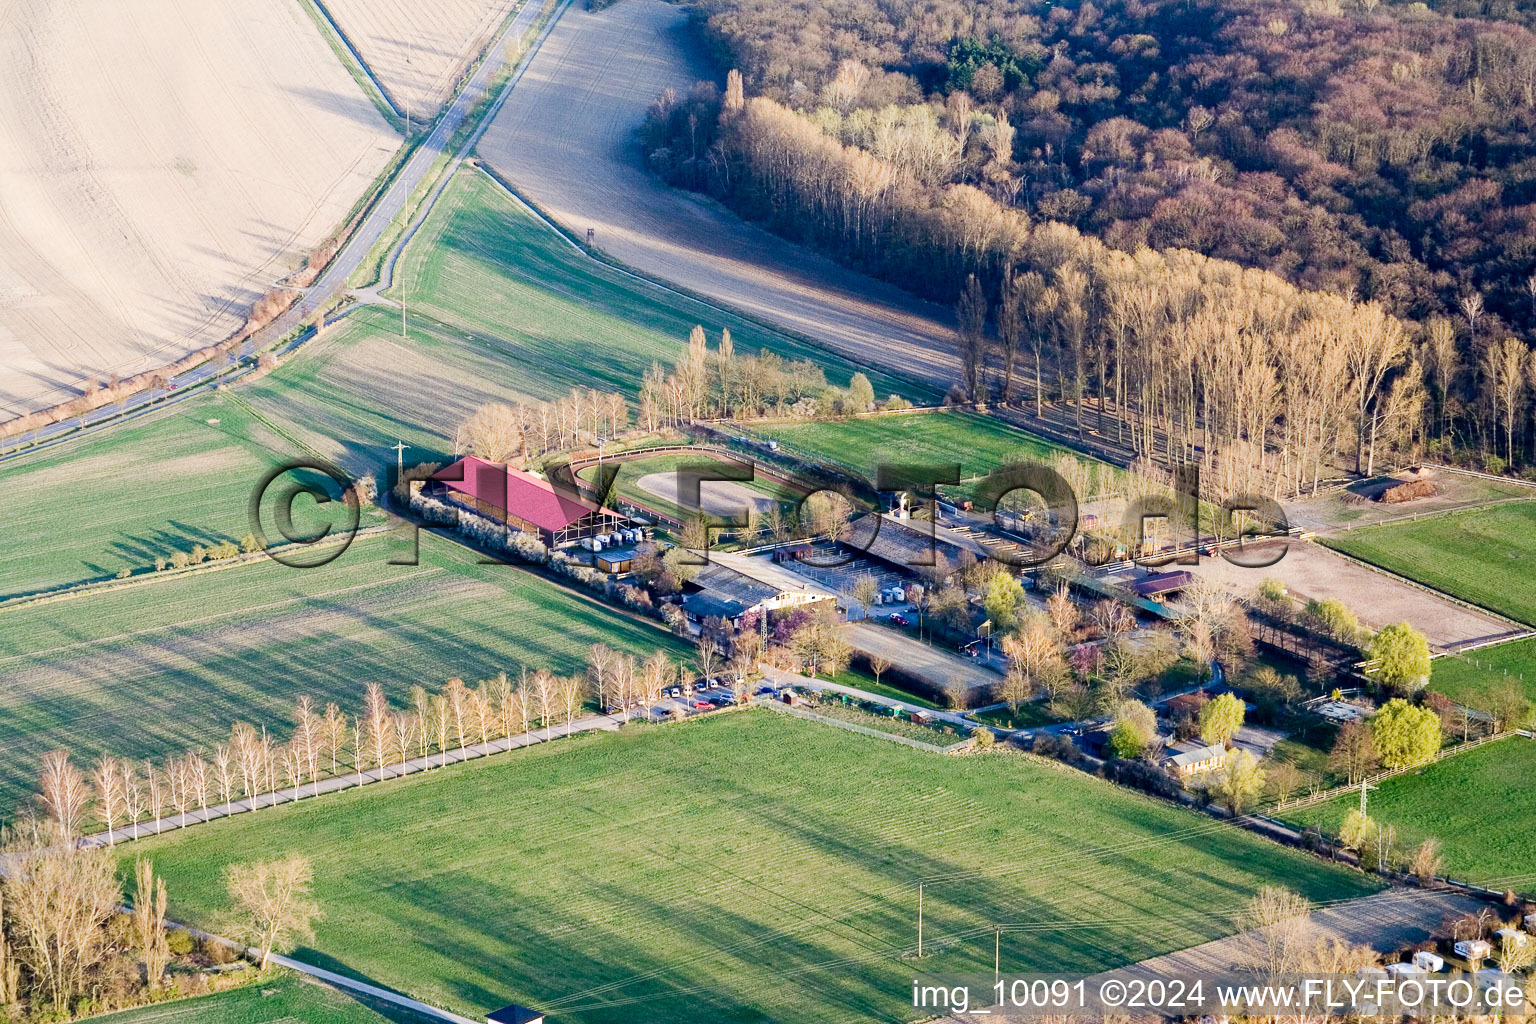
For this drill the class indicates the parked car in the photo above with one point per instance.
(763, 691)
(702, 705)
(675, 692)
(899, 620)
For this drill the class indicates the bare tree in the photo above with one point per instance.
(148, 920)
(1278, 930)
(224, 772)
(493, 432)
(108, 780)
(65, 795)
(571, 690)
(376, 722)
(458, 703)
(59, 901)
(274, 905)
(545, 699)
(133, 795)
(405, 727)
(196, 776)
(335, 726)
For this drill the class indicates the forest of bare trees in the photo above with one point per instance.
(1351, 179)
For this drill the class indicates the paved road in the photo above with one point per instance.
(333, 281)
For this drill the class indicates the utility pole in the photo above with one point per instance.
(399, 449)
(997, 955)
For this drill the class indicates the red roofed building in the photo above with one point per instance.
(524, 501)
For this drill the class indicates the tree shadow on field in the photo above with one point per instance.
(354, 108)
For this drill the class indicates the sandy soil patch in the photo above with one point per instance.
(716, 497)
(934, 664)
(566, 138)
(166, 161)
(1310, 571)
(416, 50)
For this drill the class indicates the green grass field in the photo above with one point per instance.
(284, 999)
(1485, 556)
(1479, 805)
(978, 443)
(1471, 678)
(171, 664)
(114, 501)
(744, 867)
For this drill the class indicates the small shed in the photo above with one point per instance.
(614, 560)
(1428, 962)
(515, 1015)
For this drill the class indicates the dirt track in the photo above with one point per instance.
(716, 497)
(165, 161)
(1311, 571)
(566, 140)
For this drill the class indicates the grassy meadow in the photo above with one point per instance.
(978, 443)
(95, 506)
(164, 666)
(1486, 556)
(286, 999)
(743, 867)
(1471, 678)
(1479, 805)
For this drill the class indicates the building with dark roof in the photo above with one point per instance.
(524, 501)
(515, 1015)
(908, 549)
(1161, 583)
(718, 591)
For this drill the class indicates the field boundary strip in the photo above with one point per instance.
(355, 65)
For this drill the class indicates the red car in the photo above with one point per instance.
(702, 705)
(899, 620)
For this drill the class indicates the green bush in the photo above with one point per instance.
(180, 941)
